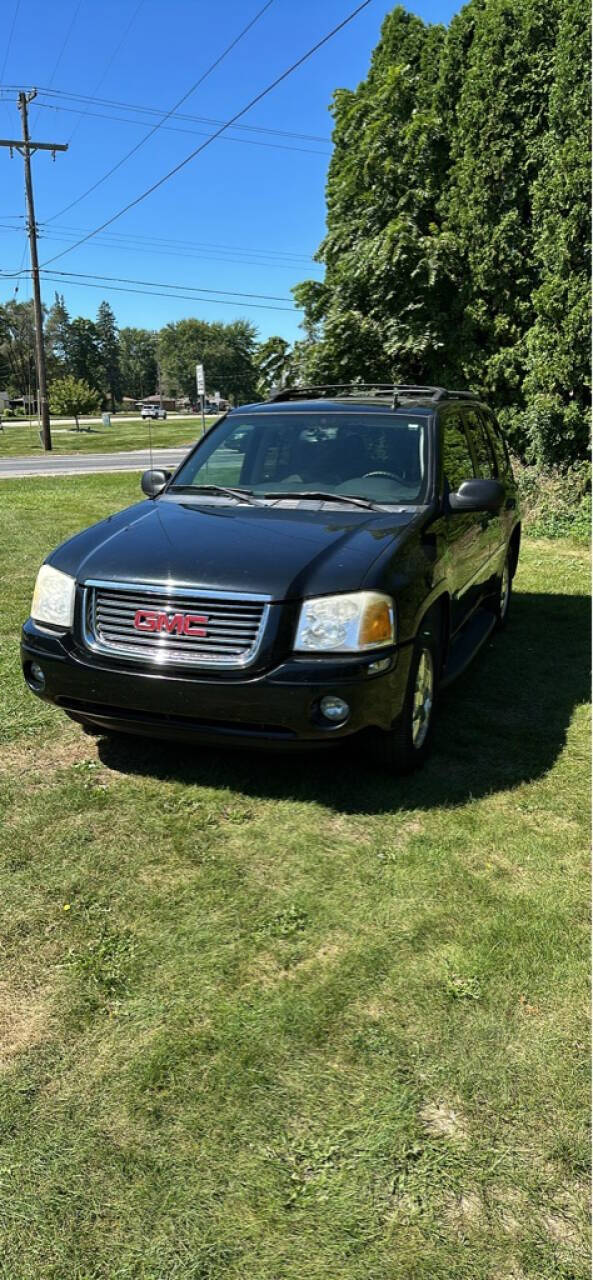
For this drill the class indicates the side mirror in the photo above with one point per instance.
(477, 495)
(153, 482)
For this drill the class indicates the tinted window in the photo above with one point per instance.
(380, 456)
(501, 452)
(457, 460)
(481, 443)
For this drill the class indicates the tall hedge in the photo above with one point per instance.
(458, 218)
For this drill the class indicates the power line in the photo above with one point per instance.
(151, 241)
(63, 45)
(265, 259)
(179, 253)
(155, 246)
(110, 63)
(158, 111)
(102, 115)
(151, 293)
(237, 116)
(166, 284)
(159, 123)
(10, 35)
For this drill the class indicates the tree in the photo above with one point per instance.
(500, 56)
(272, 361)
(458, 232)
(558, 382)
(84, 354)
(108, 350)
(226, 351)
(56, 335)
(73, 396)
(137, 357)
(17, 347)
(384, 307)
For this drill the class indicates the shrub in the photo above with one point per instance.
(555, 503)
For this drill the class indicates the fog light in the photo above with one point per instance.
(35, 678)
(334, 709)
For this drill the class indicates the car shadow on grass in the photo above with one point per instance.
(502, 724)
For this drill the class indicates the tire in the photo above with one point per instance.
(407, 744)
(502, 599)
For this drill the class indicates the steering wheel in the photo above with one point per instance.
(387, 475)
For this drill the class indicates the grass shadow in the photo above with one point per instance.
(502, 724)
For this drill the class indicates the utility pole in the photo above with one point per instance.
(26, 148)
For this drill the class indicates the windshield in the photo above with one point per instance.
(377, 456)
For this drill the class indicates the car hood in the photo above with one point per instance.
(276, 551)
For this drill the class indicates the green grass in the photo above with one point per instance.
(24, 440)
(290, 1019)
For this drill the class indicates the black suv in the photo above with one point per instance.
(319, 565)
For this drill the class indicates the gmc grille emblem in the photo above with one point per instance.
(181, 624)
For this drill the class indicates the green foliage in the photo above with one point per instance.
(124, 362)
(556, 503)
(109, 359)
(225, 350)
(84, 352)
(17, 348)
(559, 341)
(273, 364)
(73, 396)
(137, 357)
(458, 218)
(56, 333)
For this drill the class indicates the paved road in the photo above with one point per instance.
(68, 464)
(57, 423)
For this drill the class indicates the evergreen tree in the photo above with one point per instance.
(57, 334)
(84, 353)
(108, 347)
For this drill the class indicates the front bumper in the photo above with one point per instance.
(278, 706)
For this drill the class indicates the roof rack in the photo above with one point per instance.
(392, 391)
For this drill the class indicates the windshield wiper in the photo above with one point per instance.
(241, 495)
(351, 500)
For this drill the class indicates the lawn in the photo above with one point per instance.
(24, 440)
(282, 1019)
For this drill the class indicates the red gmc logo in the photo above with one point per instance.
(181, 624)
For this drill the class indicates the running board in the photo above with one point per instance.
(467, 643)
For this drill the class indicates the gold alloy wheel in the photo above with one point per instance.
(423, 698)
(505, 589)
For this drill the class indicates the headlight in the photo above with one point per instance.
(53, 597)
(348, 623)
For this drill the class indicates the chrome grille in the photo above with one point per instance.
(233, 624)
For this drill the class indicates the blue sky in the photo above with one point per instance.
(242, 216)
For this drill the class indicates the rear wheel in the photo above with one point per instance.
(406, 745)
(502, 599)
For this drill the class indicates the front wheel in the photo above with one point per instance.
(406, 745)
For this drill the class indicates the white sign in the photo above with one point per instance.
(200, 380)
